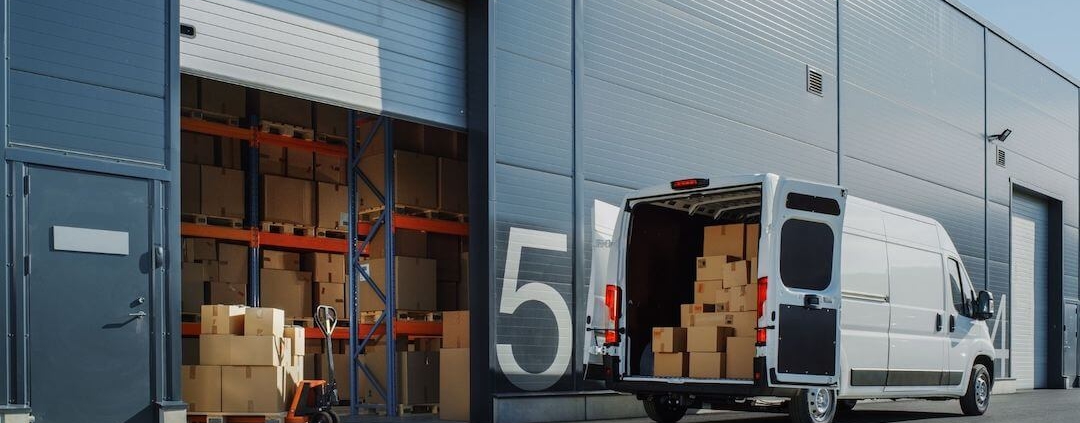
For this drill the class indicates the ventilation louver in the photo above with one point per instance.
(1000, 157)
(813, 82)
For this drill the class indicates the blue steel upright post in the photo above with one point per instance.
(354, 258)
(391, 291)
(251, 213)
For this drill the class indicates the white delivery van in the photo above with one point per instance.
(857, 300)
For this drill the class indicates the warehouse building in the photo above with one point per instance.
(553, 109)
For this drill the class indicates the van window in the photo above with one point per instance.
(806, 254)
(959, 302)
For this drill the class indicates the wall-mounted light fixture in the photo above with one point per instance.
(1000, 137)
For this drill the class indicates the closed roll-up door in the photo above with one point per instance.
(1030, 289)
(404, 58)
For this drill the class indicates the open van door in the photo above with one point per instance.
(802, 327)
(600, 318)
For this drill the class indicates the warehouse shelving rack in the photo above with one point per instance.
(360, 233)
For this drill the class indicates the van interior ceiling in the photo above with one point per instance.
(665, 239)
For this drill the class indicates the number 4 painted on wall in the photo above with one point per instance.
(513, 296)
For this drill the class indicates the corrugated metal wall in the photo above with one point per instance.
(405, 58)
(593, 99)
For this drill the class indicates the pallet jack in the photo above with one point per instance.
(313, 400)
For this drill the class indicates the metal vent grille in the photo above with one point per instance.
(813, 82)
(1000, 157)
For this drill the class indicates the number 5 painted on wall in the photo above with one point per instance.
(513, 296)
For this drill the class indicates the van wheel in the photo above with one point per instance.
(665, 409)
(813, 406)
(976, 400)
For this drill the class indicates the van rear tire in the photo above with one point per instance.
(813, 406)
(976, 400)
(664, 409)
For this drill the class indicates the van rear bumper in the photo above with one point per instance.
(705, 391)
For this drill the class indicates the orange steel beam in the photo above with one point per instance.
(211, 128)
(431, 225)
(216, 232)
(329, 245)
(290, 142)
(401, 327)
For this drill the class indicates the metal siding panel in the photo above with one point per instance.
(539, 30)
(997, 238)
(976, 270)
(401, 57)
(530, 199)
(961, 214)
(115, 44)
(69, 116)
(1025, 171)
(534, 124)
(999, 284)
(1071, 238)
(635, 140)
(743, 61)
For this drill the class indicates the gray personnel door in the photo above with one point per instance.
(1071, 340)
(88, 239)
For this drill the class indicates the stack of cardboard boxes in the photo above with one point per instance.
(718, 331)
(250, 362)
(454, 367)
(212, 273)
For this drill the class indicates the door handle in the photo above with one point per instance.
(159, 256)
(938, 323)
(952, 323)
(138, 314)
(812, 301)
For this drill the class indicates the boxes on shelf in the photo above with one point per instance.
(330, 169)
(414, 279)
(189, 91)
(333, 207)
(418, 372)
(453, 186)
(454, 377)
(281, 260)
(455, 329)
(407, 243)
(332, 294)
(288, 110)
(221, 97)
(674, 364)
(724, 240)
(198, 249)
(222, 192)
(205, 271)
(331, 120)
(201, 387)
(287, 200)
(228, 293)
(264, 321)
(415, 180)
(299, 163)
(232, 263)
(271, 159)
(446, 251)
(232, 153)
(740, 357)
(408, 136)
(288, 290)
(325, 267)
(190, 188)
(448, 296)
(196, 148)
(669, 339)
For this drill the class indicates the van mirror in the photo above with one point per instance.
(984, 306)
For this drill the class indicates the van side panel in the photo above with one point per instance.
(917, 344)
(864, 320)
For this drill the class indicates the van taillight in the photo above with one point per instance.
(613, 301)
(762, 293)
(611, 337)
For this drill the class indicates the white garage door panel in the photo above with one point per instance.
(1030, 290)
(400, 57)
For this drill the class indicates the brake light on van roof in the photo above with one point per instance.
(689, 183)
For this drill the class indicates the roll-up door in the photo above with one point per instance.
(1030, 289)
(404, 58)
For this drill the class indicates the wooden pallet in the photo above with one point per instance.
(210, 116)
(204, 417)
(372, 214)
(332, 139)
(418, 409)
(204, 219)
(332, 233)
(287, 130)
(370, 317)
(307, 322)
(287, 229)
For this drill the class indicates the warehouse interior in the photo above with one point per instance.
(267, 201)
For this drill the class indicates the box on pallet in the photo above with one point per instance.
(671, 364)
(190, 188)
(232, 153)
(198, 148)
(418, 372)
(331, 120)
(221, 97)
(453, 378)
(271, 159)
(724, 240)
(332, 294)
(285, 109)
(299, 163)
(282, 260)
(669, 339)
(222, 192)
(740, 357)
(250, 350)
(223, 319)
(415, 180)
(201, 387)
(287, 200)
(254, 389)
(288, 290)
(227, 293)
(333, 210)
(453, 186)
(707, 365)
(199, 249)
(407, 243)
(415, 279)
(330, 169)
(295, 335)
(324, 267)
(233, 263)
(455, 329)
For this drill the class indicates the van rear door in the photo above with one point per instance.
(802, 328)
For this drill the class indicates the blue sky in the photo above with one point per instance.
(1049, 27)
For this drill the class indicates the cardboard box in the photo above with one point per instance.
(189, 91)
(199, 249)
(287, 290)
(215, 350)
(724, 240)
(743, 297)
(441, 142)
(287, 200)
(753, 235)
(701, 318)
(415, 180)
(233, 263)
(189, 351)
(712, 267)
(723, 300)
(669, 339)
(737, 273)
(707, 365)
(455, 329)
(196, 148)
(325, 267)
(330, 169)
(418, 372)
(705, 291)
(272, 159)
(453, 186)
(221, 97)
(333, 210)
(277, 108)
(332, 294)
(260, 351)
(254, 389)
(190, 188)
(192, 294)
(446, 251)
(707, 338)
(407, 243)
(299, 163)
(223, 319)
(295, 336)
(222, 192)
(744, 322)
(206, 271)
(686, 318)
(415, 279)
(201, 387)
(331, 120)
(740, 357)
(232, 153)
(671, 364)
(281, 260)
(264, 321)
(227, 293)
(408, 136)
(454, 377)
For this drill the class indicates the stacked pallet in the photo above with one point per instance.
(717, 333)
(250, 362)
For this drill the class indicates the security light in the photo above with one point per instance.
(1002, 136)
